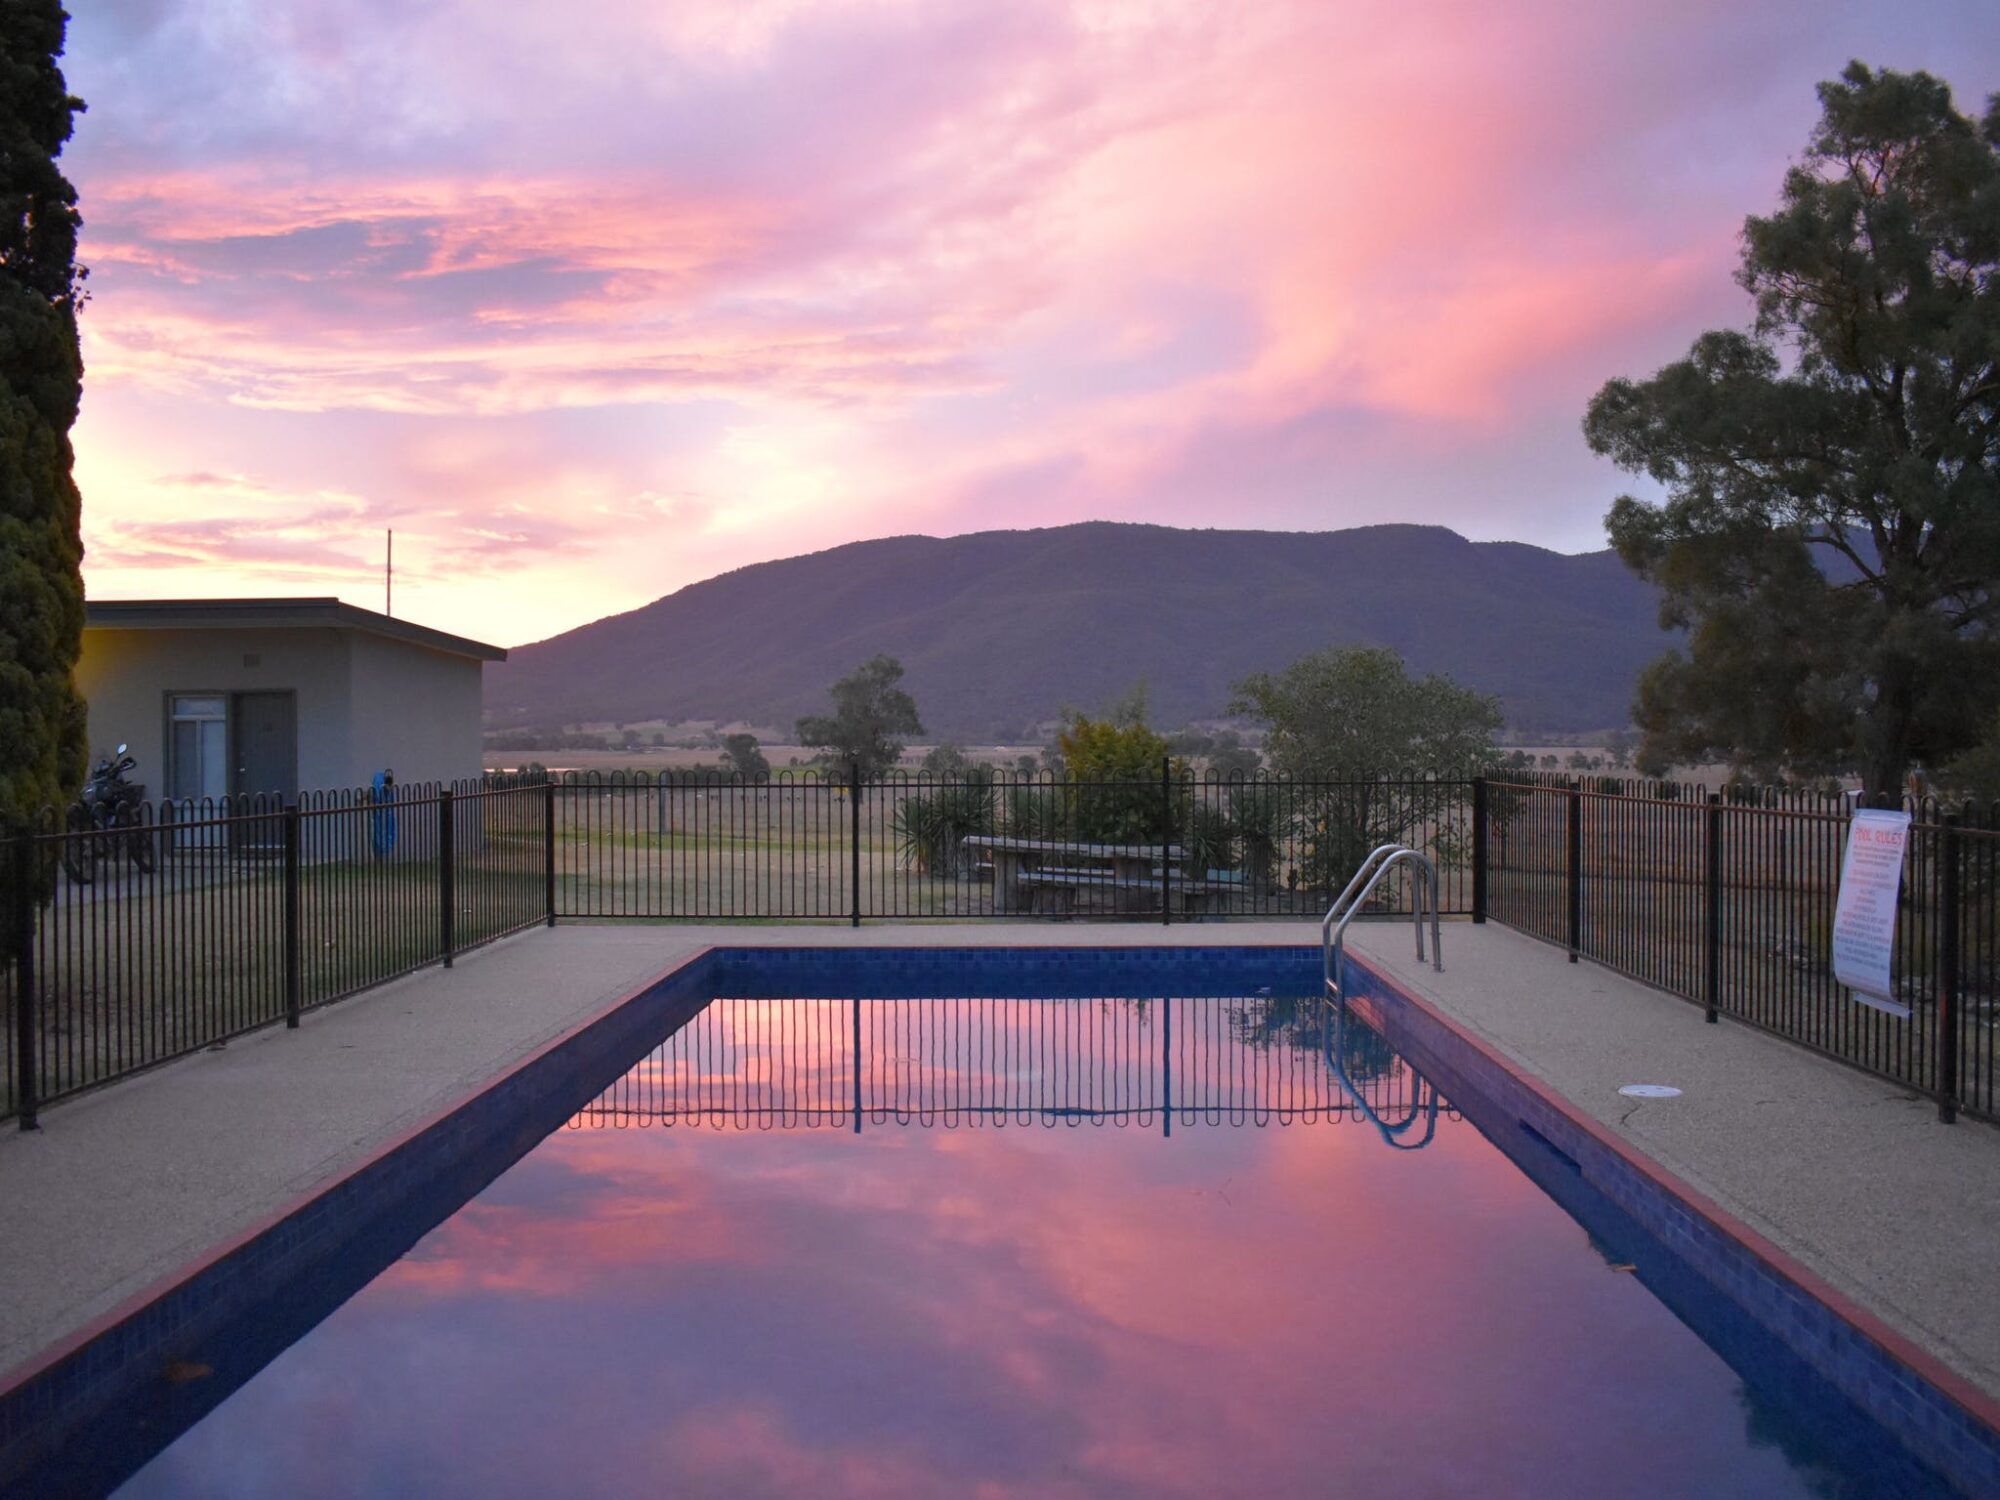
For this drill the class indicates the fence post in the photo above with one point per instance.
(22, 921)
(1166, 839)
(293, 974)
(1947, 980)
(854, 841)
(1711, 926)
(447, 860)
(1575, 872)
(549, 845)
(1479, 849)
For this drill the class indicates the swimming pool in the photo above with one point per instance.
(1111, 1226)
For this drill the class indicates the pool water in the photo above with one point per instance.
(1010, 1248)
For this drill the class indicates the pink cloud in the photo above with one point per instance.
(823, 271)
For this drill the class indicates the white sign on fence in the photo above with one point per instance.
(1864, 921)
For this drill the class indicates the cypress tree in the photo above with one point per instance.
(42, 729)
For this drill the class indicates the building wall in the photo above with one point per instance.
(127, 675)
(414, 711)
(365, 703)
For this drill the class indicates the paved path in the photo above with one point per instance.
(1850, 1174)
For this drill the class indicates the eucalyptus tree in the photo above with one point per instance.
(872, 719)
(744, 758)
(1381, 756)
(1829, 536)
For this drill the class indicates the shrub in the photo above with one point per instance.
(931, 831)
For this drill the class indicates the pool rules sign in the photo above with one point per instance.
(1864, 922)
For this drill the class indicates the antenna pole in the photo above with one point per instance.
(389, 576)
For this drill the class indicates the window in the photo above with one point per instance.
(197, 746)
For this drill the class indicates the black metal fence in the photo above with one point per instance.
(195, 923)
(803, 847)
(1727, 899)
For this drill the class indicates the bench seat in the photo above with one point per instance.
(1092, 878)
(1062, 885)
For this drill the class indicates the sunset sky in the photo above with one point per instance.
(591, 301)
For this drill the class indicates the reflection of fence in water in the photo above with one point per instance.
(790, 1064)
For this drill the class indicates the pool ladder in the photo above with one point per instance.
(1332, 936)
(1333, 929)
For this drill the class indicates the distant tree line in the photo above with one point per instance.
(1336, 722)
(536, 739)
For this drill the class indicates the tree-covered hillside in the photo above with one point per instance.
(999, 630)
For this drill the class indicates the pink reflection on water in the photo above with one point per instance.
(1070, 1310)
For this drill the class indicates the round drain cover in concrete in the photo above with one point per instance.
(1651, 1091)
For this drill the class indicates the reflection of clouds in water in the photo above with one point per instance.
(1035, 1312)
(1012, 1313)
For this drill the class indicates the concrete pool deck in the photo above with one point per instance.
(1849, 1174)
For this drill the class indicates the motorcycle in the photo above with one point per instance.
(106, 819)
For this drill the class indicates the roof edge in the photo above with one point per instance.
(276, 614)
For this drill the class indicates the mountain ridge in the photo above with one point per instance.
(1000, 629)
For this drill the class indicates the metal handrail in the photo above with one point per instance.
(1361, 874)
(1385, 858)
(1333, 939)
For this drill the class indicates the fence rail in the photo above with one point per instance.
(1727, 899)
(807, 847)
(195, 923)
(167, 934)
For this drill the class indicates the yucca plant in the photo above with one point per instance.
(931, 831)
(1257, 819)
(1210, 841)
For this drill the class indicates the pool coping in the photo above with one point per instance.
(152, 1336)
(130, 1351)
(136, 1343)
(1886, 1373)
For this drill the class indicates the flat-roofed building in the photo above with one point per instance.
(268, 697)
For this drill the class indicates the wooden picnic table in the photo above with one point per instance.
(1020, 865)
